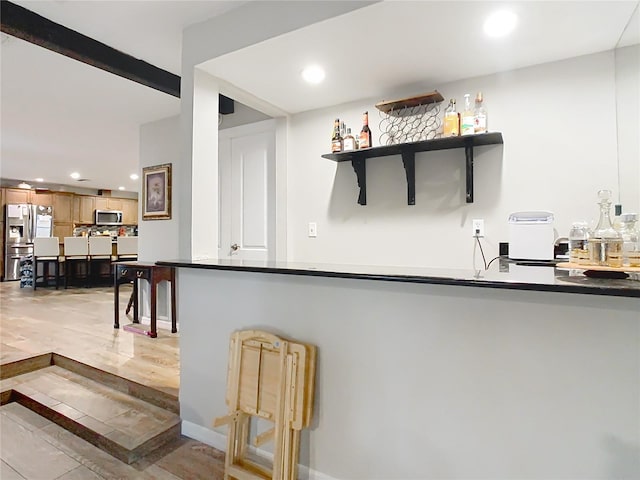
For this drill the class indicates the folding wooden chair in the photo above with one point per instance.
(269, 378)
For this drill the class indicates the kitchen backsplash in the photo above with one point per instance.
(114, 231)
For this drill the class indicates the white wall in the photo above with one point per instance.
(159, 144)
(158, 239)
(432, 382)
(558, 124)
(628, 104)
(238, 28)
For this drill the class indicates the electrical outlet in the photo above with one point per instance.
(312, 230)
(478, 227)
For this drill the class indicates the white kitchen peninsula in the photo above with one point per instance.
(425, 373)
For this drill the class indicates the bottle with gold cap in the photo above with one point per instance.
(479, 115)
(451, 126)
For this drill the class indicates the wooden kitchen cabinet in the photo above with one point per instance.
(129, 211)
(44, 199)
(108, 203)
(17, 195)
(115, 204)
(83, 208)
(101, 203)
(62, 208)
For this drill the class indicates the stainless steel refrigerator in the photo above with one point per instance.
(23, 223)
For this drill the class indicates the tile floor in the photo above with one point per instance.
(78, 323)
(124, 420)
(33, 448)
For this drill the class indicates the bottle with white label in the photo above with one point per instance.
(480, 115)
(349, 141)
(466, 120)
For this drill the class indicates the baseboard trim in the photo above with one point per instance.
(162, 322)
(219, 441)
(204, 435)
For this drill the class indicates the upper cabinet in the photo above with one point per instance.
(83, 208)
(129, 211)
(71, 208)
(108, 203)
(62, 207)
(17, 195)
(42, 198)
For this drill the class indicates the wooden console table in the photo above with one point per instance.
(154, 274)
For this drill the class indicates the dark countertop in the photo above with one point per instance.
(510, 276)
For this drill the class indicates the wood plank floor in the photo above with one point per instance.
(78, 323)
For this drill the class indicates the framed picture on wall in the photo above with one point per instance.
(156, 192)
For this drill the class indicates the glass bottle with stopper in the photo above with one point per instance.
(605, 242)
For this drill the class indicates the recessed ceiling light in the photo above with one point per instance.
(75, 175)
(120, 188)
(133, 176)
(313, 74)
(500, 23)
(39, 180)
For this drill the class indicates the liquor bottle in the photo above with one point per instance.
(451, 120)
(480, 115)
(365, 133)
(336, 140)
(349, 141)
(466, 121)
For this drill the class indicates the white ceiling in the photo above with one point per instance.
(149, 30)
(59, 115)
(378, 49)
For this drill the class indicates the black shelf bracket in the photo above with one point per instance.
(409, 162)
(408, 151)
(360, 167)
(468, 154)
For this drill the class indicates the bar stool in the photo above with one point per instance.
(127, 248)
(76, 257)
(46, 251)
(99, 253)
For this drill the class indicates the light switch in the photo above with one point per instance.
(313, 230)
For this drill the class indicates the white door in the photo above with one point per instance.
(247, 192)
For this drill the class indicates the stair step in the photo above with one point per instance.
(126, 426)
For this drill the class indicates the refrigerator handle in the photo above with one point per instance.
(32, 224)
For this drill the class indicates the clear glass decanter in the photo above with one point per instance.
(605, 242)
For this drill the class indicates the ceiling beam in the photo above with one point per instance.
(31, 27)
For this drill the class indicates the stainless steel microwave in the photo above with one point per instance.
(108, 217)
